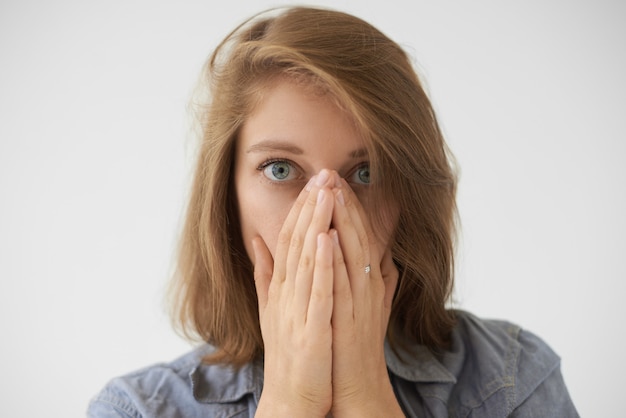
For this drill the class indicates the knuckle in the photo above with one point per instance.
(363, 237)
(295, 242)
(311, 200)
(321, 295)
(297, 205)
(360, 260)
(284, 236)
(305, 263)
(348, 200)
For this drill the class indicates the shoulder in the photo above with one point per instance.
(501, 345)
(501, 367)
(183, 387)
(492, 369)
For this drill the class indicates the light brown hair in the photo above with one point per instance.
(371, 77)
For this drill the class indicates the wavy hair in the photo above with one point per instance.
(370, 77)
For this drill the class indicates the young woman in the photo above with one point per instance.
(317, 254)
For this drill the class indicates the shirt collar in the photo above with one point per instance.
(416, 363)
(218, 383)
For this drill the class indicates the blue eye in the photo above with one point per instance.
(362, 174)
(278, 170)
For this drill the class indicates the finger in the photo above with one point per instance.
(343, 313)
(352, 200)
(320, 306)
(301, 227)
(390, 278)
(352, 238)
(307, 264)
(263, 269)
(286, 232)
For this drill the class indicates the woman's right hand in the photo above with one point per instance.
(295, 294)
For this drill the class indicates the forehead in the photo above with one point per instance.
(301, 114)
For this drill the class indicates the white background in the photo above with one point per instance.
(95, 161)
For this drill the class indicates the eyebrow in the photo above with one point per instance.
(269, 145)
(360, 153)
(274, 145)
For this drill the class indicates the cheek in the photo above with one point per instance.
(269, 226)
(262, 214)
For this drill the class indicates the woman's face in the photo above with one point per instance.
(291, 135)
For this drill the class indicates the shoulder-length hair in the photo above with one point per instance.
(371, 78)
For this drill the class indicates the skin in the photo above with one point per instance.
(300, 177)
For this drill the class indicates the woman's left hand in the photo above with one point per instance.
(361, 308)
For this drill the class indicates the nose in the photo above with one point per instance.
(328, 177)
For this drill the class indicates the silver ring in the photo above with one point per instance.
(368, 268)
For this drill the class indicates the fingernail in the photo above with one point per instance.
(320, 196)
(339, 196)
(322, 178)
(310, 184)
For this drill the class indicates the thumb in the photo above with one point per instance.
(263, 268)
